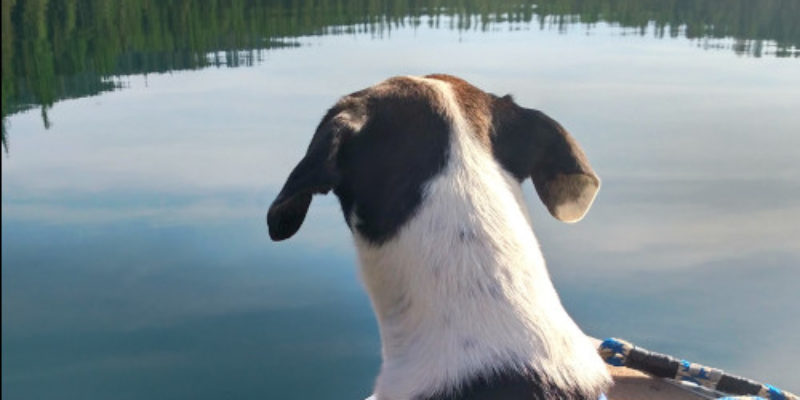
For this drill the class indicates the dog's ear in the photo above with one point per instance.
(529, 143)
(315, 173)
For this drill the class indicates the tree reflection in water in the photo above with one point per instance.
(56, 50)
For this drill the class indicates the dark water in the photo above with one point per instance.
(144, 141)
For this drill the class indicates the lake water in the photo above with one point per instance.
(145, 140)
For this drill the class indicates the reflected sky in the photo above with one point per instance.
(136, 262)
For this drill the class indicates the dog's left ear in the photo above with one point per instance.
(315, 173)
(529, 143)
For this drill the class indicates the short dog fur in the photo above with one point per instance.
(428, 173)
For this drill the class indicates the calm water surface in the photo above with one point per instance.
(144, 143)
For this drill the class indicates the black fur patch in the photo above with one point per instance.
(514, 141)
(511, 385)
(315, 173)
(385, 166)
(529, 143)
(378, 170)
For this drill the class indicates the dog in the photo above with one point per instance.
(428, 172)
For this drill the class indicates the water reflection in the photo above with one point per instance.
(55, 50)
(117, 319)
(135, 259)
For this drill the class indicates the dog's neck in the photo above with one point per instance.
(462, 293)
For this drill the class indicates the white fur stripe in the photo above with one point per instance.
(463, 289)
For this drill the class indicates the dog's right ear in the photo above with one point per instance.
(528, 143)
(315, 173)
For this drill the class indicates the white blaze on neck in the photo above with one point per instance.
(462, 288)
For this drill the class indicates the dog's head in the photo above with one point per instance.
(377, 148)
